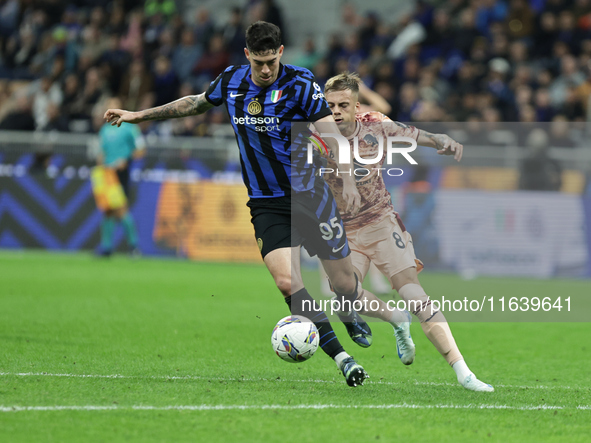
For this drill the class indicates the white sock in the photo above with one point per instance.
(398, 317)
(340, 357)
(462, 370)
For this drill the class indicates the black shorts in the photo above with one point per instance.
(123, 175)
(307, 218)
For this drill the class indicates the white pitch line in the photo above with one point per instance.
(192, 377)
(279, 407)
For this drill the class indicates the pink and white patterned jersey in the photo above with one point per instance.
(375, 198)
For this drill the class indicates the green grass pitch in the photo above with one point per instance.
(163, 350)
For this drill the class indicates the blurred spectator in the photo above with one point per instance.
(559, 133)
(496, 83)
(367, 31)
(439, 41)
(570, 77)
(114, 61)
(350, 20)
(132, 40)
(135, 84)
(352, 52)
(70, 22)
(539, 172)
(431, 88)
(583, 91)
(567, 31)
(409, 102)
(92, 92)
(387, 92)
(522, 76)
(20, 118)
(527, 114)
(166, 43)
(166, 83)
(94, 40)
(475, 131)
(204, 27)
(214, 60)
(518, 54)
(116, 21)
(467, 32)
(20, 52)
(272, 13)
(546, 31)
(156, 25)
(71, 90)
(321, 71)
(52, 45)
(44, 92)
(186, 55)
(309, 56)
(56, 121)
(572, 107)
(544, 110)
(234, 37)
(9, 15)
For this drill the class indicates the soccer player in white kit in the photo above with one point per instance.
(376, 233)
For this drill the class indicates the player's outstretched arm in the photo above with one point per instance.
(444, 144)
(183, 107)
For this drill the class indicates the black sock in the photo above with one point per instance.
(328, 339)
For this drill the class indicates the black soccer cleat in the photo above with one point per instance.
(353, 372)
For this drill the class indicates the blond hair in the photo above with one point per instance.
(342, 82)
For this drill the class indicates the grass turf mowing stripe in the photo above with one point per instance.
(194, 377)
(279, 407)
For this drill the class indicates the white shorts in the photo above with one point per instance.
(387, 244)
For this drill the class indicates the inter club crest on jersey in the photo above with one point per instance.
(276, 95)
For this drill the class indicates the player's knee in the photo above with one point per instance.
(345, 286)
(284, 285)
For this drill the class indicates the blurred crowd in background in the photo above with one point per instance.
(458, 60)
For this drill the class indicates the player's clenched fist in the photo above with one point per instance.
(448, 146)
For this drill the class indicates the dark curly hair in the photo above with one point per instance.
(262, 37)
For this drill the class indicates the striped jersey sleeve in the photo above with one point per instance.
(310, 97)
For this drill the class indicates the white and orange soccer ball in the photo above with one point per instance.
(295, 338)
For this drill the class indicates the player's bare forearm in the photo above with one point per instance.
(431, 140)
(183, 107)
(444, 144)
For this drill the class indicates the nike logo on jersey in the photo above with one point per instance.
(235, 95)
(335, 250)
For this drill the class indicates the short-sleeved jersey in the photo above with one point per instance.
(376, 202)
(262, 118)
(119, 143)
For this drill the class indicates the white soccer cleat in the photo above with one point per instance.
(473, 384)
(404, 344)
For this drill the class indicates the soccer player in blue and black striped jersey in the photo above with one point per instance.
(290, 206)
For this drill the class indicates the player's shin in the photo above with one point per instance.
(130, 230)
(434, 324)
(107, 229)
(301, 303)
(438, 332)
